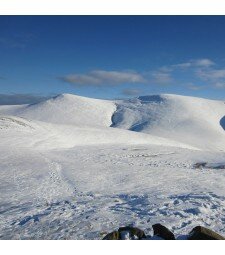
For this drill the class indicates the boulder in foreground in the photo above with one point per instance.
(163, 232)
(202, 233)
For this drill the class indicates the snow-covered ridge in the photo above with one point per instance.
(196, 122)
(67, 109)
(74, 167)
(39, 135)
(8, 122)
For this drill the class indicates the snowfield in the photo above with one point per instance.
(76, 168)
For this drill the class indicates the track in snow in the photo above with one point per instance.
(65, 174)
(149, 184)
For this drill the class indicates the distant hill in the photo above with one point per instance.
(193, 121)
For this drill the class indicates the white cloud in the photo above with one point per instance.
(203, 69)
(182, 65)
(191, 70)
(101, 77)
(204, 63)
(195, 87)
(220, 84)
(212, 74)
(161, 77)
(215, 77)
(131, 92)
(81, 79)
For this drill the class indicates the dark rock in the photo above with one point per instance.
(112, 236)
(202, 233)
(200, 165)
(163, 232)
(133, 232)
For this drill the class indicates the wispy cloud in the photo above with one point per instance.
(204, 63)
(201, 69)
(219, 84)
(212, 74)
(131, 92)
(14, 99)
(195, 87)
(102, 77)
(194, 71)
(216, 77)
(167, 75)
(162, 77)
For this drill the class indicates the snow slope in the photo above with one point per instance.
(76, 168)
(20, 132)
(194, 121)
(66, 109)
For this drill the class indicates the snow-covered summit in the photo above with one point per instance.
(68, 109)
(193, 121)
(75, 163)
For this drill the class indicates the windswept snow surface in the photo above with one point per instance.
(77, 168)
(195, 121)
(67, 109)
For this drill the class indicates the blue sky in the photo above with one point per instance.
(112, 56)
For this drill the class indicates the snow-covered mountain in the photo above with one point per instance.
(67, 109)
(192, 121)
(74, 167)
